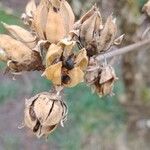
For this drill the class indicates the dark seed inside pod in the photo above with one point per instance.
(65, 79)
(37, 126)
(69, 63)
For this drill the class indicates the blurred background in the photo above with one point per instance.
(121, 122)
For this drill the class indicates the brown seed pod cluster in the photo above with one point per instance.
(44, 112)
(64, 50)
(93, 35)
(101, 79)
(64, 66)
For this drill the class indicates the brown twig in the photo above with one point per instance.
(143, 45)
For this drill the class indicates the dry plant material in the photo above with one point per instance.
(63, 66)
(65, 51)
(93, 35)
(44, 112)
(146, 8)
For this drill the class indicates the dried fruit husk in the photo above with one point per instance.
(90, 29)
(108, 35)
(21, 34)
(44, 112)
(19, 56)
(40, 19)
(55, 26)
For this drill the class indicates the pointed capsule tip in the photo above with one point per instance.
(43, 75)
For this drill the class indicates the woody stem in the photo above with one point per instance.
(143, 45)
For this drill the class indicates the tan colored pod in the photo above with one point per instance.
(53, 73)
(44, 112)
(55, 26)
(14, 49)
(40, 19)
(87, 29)
(54, 53)
(82, 59)
(21, 34)
(76, 76)
(108, 35)
(68, 15)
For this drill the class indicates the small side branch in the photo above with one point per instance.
(142, 45)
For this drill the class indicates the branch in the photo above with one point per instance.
(145, 44)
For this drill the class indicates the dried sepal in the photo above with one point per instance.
(119, 40)
(108, 34)
(53, 54)
(67, 47)
(44, 112)
(21, 34)
(105, 81)
(76, 76)
(53, 73)
(82, 59)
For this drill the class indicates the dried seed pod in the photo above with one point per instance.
(40, 19)
(44, 112)
(68, 15)
(146, 8)
(108, 35)
(55, 26)
(21, 34)
(90, 28)
(105, 81)
(19, 56)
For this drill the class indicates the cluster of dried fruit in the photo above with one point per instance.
(64, 50)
